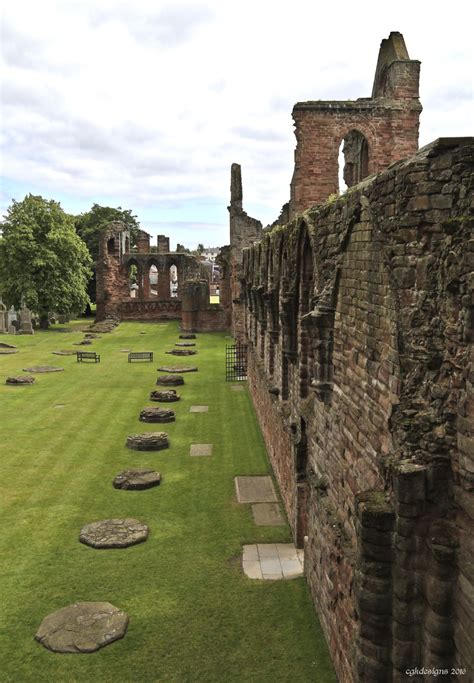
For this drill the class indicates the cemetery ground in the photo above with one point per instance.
(194, 615)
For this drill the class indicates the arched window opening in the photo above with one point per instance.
(353, 160)
(111, 246)
(133, 280)
(173, 281)
(127, 245)
(305, 321)
(153, 279)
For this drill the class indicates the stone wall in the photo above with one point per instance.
(358, 315)
(113, 279)
(244, 230)
(387, 122)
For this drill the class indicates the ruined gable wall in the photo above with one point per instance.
(363, 401)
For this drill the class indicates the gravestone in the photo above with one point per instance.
(26, 326)
(3, 320)
(11, 316)
(11, 329)
(82, 628)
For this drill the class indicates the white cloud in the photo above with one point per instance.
(148, 103)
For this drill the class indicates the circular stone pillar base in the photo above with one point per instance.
(151, 441)
(82, 627)
(114, 533)
(165, 396)
(156, 415)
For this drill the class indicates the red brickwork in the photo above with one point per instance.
(388, 121)
(359, 319)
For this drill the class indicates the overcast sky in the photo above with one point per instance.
(146, 104)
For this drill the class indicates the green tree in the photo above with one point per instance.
(89, 225)
(43, 262)
(200, 249)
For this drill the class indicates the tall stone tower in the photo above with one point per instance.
(376, 130)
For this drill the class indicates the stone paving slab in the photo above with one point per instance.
(272, 561)
(267, 514)
(199, 409)
(236, 387)
(201, 449)
(258, 489)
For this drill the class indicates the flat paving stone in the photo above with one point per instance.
(137, 479)
(267, 514)
(114, 533)
(82, 628)
(43, 368)
(65, 352)
(236, 387)
(199, 409)
(185, 344)
(6, 352)
(6, 345)
(272, 561)
(258, 489)
(201, 449)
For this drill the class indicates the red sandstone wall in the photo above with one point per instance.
(374, 395)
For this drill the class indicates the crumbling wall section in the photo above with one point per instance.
(358, 315)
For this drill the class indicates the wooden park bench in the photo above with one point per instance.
(140, 355)
(87, 355)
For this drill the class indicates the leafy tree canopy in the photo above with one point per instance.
(89, 225)
(43, 262)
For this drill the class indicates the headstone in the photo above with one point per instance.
(11, 316)
(26, 326)
(114, 533)
(3, 321)
(82, 627)
(11, 329)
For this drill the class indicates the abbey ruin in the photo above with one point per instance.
(357, 315)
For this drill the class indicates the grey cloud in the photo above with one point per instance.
(260, 134)
(172, 25)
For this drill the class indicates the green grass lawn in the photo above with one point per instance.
(194, 616)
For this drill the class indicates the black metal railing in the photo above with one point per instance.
(236, 362)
